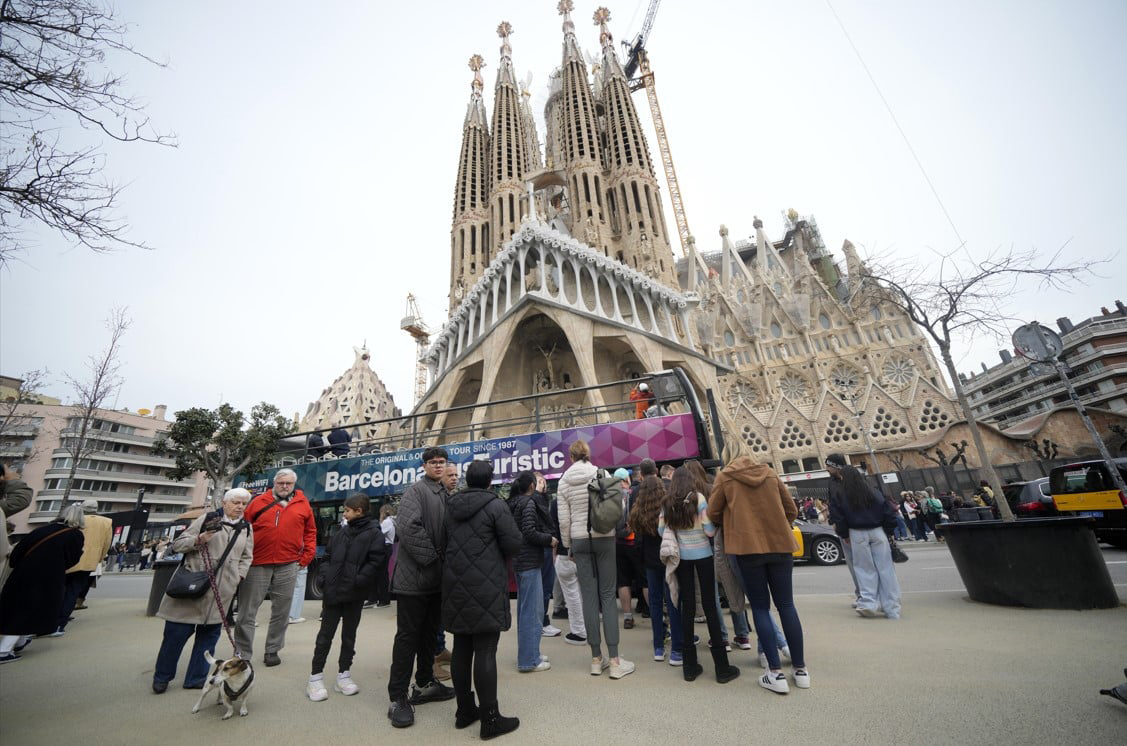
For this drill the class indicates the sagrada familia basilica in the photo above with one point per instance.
(563, 277)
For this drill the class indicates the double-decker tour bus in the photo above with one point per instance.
(530, 432)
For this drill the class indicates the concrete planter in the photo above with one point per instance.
(1040, 563)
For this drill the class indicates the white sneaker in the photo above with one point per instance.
(785, 652)
(297, 620)
(543, 666)
(763, 660)
(776, 682)
(345, 685)
(598, 665)
(317, 691)
(802, 678)
(551, 631)
(620, 669)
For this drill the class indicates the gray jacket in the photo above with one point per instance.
(420, 527)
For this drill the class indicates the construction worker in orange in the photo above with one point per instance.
(642, 398)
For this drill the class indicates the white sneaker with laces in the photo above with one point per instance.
(775, 682)
(551, 631)
(317, 691)
(345, 685)
(802, 678)
(620, 669)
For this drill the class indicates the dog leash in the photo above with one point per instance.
(206, 556)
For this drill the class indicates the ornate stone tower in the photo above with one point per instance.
(508, 160)
(469, 232)
(637, 224)
(357, 395)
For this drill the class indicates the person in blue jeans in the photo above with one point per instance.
(202, 617)
(756, 510)
(534, 524)
(643, 520)
(863, 518)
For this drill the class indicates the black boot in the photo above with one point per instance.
(691, 668)
(725, 671)
(467, 713)
(494, 724)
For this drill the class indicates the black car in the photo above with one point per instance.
(820, 544)
(1030, 499)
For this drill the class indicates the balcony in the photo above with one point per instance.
(119, 476)
(145, 440)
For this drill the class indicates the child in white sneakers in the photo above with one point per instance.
(355, 554)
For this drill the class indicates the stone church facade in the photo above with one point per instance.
(563, 276)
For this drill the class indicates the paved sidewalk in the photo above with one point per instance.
(952, 671)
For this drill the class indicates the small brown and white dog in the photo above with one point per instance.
(233, 678)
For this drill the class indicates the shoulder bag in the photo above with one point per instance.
(185, 583)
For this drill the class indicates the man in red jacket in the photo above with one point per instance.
(285, 537)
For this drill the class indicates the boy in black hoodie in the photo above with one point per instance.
(354, 556)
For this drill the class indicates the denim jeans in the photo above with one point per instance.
(901, 528)
(764, 582)
(530, 607)
(847, 550)
(176, 634)
(876, 576)
(655, 580)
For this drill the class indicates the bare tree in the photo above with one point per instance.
(15, 420)
(958, 295)
(54, 74)
(91, 394)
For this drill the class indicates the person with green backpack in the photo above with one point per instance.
(589, 502)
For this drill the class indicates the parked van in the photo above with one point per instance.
(1086, 488)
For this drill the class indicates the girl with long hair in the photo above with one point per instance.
(643, 519)
(685, 513)
(864, 518)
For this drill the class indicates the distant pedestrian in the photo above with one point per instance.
(863, 518)
(354, 556)
(339, 440)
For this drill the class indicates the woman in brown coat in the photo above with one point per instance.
(756, 511)
(201, 616)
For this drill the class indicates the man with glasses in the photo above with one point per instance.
(285, 538)
(418, 586)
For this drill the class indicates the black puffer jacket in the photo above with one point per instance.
(480, 534)
(534, 523)
(351, 562)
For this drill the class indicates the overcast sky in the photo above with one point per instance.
(313, 184)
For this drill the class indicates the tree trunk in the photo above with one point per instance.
(972, 423)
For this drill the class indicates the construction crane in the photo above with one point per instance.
(637, 60)
(414, 325)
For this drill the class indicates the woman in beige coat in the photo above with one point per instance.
(201, 616)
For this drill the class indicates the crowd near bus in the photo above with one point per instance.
(656, 540)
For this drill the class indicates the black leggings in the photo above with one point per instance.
(476, 655)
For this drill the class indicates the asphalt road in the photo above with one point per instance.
(930, 570)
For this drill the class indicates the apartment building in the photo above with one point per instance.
(114, 471)
(1095, 351)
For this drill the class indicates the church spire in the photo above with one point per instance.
(508, 162)
(641, 238)
(469, 231)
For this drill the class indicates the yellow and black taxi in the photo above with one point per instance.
(1086, 488)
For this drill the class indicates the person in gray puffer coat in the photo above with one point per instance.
(480, 535)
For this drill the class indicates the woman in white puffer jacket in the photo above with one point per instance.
(594, 557)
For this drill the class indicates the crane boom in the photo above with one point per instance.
(636, 48)
(413, 324)
(647, 81)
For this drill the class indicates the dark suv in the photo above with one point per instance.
(1030, 499)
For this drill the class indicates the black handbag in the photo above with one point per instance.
(190, 584)
(898, 554)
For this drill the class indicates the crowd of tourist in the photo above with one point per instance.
(662, 543)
